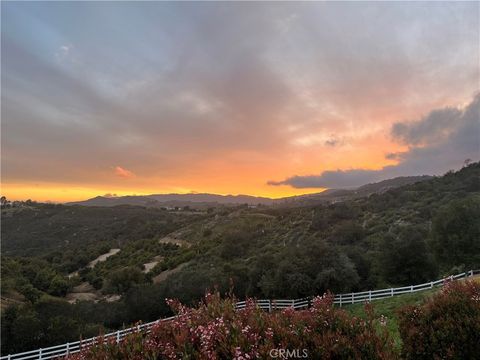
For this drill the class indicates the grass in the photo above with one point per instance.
(388, 307)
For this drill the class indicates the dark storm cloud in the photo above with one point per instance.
(329, 179)
(431, 128)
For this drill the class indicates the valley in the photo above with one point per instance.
(99, 268)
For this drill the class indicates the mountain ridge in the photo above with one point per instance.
(207, 199)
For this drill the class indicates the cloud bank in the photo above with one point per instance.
(438, 142)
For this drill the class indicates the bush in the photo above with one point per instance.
(215, 330)
(447, 326)
(120, 281)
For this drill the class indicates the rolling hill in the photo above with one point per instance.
(209, 200)
(379, 236)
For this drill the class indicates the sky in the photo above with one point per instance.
(267, 99)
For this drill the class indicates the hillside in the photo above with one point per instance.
(398, 236)
(172, 200)
(212, 200)
(43, 228)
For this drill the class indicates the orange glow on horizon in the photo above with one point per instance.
(60, 193)
(231, 174)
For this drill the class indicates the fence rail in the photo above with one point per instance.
(268, 305)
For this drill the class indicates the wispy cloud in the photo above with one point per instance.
(123, 173)
(63, 52)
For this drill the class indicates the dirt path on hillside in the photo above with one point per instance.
(164, 274)
(84, 291)
(150, 265)
(102, 257)
(92, 263)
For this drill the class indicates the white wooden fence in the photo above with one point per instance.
(269, 305)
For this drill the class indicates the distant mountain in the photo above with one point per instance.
(205, 200)
(212, 198)
(159, 200)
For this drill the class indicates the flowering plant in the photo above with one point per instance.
(216, 330)
(447, 326)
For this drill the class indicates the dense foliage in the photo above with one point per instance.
(456, 233)
(446, 326)
(215, 330)
(37, 229)
(47, 322)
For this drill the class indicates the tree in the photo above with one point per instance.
(406, 259)
(456, 234)
(59, 286)
(235, 244)
(337, 274)
(347, 233)
(43, 279)
(26, 331)
(31, 294)
(120, 281)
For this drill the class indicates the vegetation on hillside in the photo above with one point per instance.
(403, 236)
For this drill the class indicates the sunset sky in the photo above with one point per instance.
(269, 99)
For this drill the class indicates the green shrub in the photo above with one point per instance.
(447, 326)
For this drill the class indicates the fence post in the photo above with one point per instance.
(340, 300)
(68, 348)
(353, 298)
(411, 288)
(269, 305)
(471, 272)
(391, 291)
(40, 353)
(118, 336)
(370, 295)
(431, 284)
